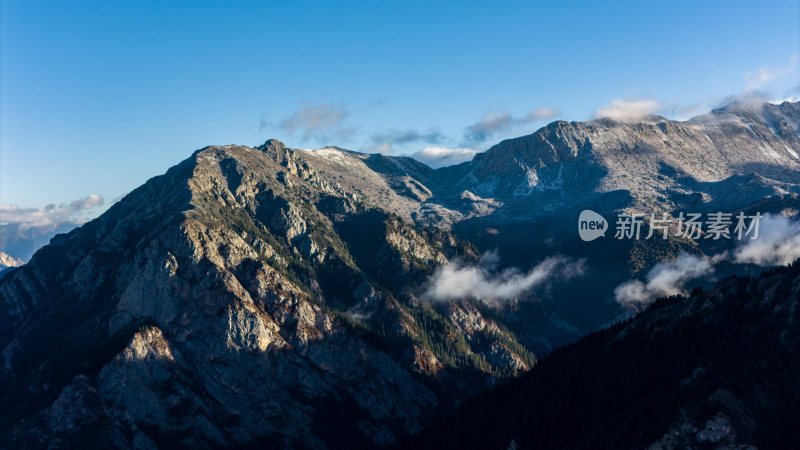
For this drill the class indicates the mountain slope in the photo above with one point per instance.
(239, 299)
(714, 370)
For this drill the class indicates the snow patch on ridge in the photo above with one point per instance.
(791, 152)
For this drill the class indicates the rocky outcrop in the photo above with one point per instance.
(7, 261)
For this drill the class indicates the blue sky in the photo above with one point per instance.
(97, 97)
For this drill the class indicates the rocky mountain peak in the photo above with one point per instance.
(246, 295)
(559, 141)
(648, 158)
(8, 261)
(273, 144)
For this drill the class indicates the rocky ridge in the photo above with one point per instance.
(240, 298)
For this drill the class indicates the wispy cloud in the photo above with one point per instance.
(746, 101)
(664, 279)
(625, 110)
(790, 95)
(500, 120)
(386, 141)
(778, 243)
(788, 98)
(321, 122)
(49, 217)
(764, 75)
(687, 110)
(759, 90)
(480, 282)
(443, 156)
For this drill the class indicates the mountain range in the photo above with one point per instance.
(278, 297)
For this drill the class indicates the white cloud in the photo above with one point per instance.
(541, 114)
(49, 217)
(752, 101)
(443, 156)
(760, 77)
(777, 244)
(384, 142)
(764, 75)
(663, 280)
(456, 282)
(322, 122)
(500, 120)
(688, 110)
(791, 98)
(628, 110)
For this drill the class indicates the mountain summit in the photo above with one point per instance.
(246, 296)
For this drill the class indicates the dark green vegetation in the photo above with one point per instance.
(733, 350)
(366, 246)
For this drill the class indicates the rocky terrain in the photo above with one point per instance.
(271, 296)
(7, 261)
(240, 299)
(715, 369)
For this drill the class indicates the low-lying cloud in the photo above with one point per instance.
(443, 156)
(456, 281)
(663, 280)
(778, 243)
(628, 110)
(48, 218)
(497, 121)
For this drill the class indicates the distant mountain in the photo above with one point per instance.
(523, 196)
(726, 160)
(8, 262)
(652, 160)
(22, 243)
(714, 370)
(271, 296)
